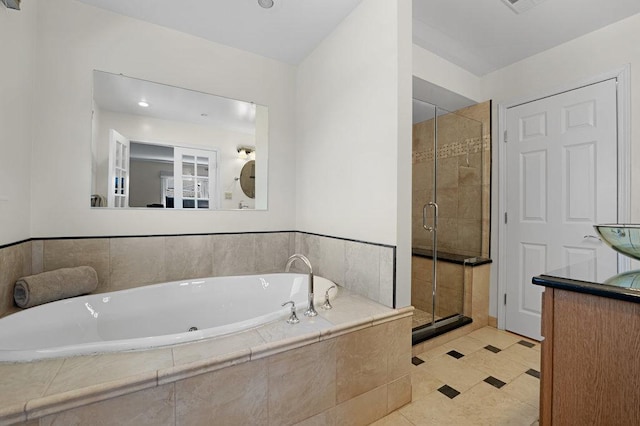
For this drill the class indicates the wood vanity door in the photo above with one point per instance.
(595, 360)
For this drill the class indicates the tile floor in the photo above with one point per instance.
(488, 377)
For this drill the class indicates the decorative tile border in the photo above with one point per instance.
(470, 145)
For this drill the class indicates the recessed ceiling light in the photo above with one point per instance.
(143, 104)
(266, 3)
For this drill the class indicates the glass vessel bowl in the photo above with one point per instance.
(623, 238)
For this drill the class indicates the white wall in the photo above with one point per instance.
(17, 32)
(73, 39)
(591, 55)
(353, 97)
(347, 128)
(432, 68)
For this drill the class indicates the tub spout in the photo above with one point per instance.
(311, 310)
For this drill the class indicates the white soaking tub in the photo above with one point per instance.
(152, 316)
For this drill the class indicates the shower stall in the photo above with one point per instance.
(448, 220)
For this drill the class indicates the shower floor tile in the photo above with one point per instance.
(422, 318)
(493, 388)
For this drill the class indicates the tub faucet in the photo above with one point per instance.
(311, 310)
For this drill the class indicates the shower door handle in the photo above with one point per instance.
(435, 217)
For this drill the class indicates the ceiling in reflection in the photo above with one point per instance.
(112, 92)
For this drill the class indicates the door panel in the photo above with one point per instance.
(118, 193)
(561, 180)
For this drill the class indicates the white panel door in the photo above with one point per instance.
(118, 195)
(561, 180)
(195, 178)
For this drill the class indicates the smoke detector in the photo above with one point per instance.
(521, 6)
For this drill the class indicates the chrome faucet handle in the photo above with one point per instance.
(293, 319)
(327, 305)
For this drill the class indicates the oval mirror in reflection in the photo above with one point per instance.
(248, 179)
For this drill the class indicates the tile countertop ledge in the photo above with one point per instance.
(35, 389)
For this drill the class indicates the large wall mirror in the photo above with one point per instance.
(164, 147)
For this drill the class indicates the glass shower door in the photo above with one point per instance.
(447, 210)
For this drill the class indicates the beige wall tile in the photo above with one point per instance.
(137, 261)
(326, 418)
(233, 254)
(423, 135)
(361, 362)
(449, 200)
(470, 204)
(471, 174)
(363, 409)
(302, 382)
(82, 371)
(15, 262)
(398, 393)
(37, 256)
(362, 269)
(480, 296)
(327, 256)
(448, 234)
(231, 395)
(153, 406)
(271, 252)
(464, 161)
(386, 276)
(393, 419)
(469, 237)
(208, 348)
(92, 252)
(24, 381)
(188, 257)
(398, 338)
(447, 173)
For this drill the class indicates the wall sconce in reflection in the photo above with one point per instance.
(245, 152)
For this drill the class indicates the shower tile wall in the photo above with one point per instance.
(451, 289)
(463, 180)
(122, 263)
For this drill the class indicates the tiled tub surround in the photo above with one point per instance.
(126, 262)
(347, 366)
(463, 185)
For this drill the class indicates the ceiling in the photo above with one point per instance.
(478, 35)
(288, 31)
(485, 35)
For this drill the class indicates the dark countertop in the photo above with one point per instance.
(624, 286)
(451, 258)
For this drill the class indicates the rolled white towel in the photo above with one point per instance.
(54, 285)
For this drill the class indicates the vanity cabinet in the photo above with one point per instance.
(590, 357)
